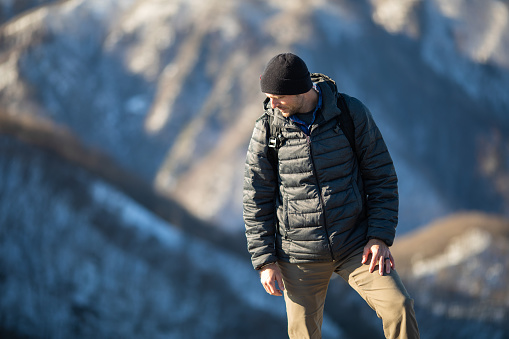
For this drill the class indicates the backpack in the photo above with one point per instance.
(345, 122)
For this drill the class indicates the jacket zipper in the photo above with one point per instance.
(285, 216)
(322, 202)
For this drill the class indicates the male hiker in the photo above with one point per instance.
(320, 197)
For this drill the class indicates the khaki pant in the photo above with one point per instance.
(306, 288)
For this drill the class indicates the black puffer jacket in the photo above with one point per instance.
(318, 208)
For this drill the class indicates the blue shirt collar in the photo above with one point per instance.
(305, 127)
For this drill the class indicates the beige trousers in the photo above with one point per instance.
(306, 287)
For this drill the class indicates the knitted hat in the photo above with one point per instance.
(286, 74)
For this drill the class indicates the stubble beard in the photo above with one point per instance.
(291, 110)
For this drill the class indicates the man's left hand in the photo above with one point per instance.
(380, 255)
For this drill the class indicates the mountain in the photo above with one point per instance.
(455, 268)
(80, 259)
(123, 130)
(170, 90)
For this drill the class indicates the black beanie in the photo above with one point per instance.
(286, 74)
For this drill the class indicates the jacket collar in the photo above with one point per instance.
(329, 95)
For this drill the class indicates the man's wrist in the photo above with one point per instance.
(375, 238)
(265, 265)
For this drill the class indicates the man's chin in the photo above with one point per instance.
(285, 114)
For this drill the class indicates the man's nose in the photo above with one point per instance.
(274, 103)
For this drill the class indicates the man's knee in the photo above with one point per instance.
(403, 303)
(309, 327)
(397, 308)
(399, 319)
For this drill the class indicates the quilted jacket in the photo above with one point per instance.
(321, 202)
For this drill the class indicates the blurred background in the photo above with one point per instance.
(124, 126)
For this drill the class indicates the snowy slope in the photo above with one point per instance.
(455, 269)
(169, 90)
(79, 259)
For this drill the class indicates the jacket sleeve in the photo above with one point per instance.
(378, 174)
(259, 199)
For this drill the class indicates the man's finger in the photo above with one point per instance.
(272, 287)
(268, 288)
(373, 263)
(374, 259)
(280, 283)
(365, 255)
(274, 290)
(388, 263)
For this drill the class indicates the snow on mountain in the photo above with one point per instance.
(460, 250)
(479, 32)
(80, 259)
(170, 89)
(455, 269)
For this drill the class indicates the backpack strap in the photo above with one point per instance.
(346, 123)
(275, 140)
(348, 127)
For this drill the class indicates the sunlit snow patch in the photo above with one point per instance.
(461, 248)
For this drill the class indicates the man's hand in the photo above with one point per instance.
(380, 255)
(269, 275)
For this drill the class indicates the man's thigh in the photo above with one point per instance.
(305, 291)
(308, 278)
(380, 292)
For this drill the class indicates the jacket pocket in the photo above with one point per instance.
(282, 215)
(285, 216)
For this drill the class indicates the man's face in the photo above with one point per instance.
(287, 104)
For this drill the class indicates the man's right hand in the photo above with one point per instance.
(269, 275)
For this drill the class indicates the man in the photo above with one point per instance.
(315, 205)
